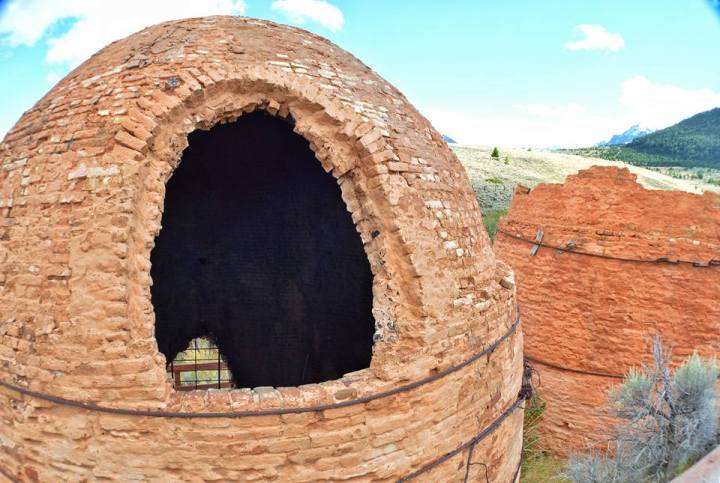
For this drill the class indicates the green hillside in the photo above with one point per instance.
(694, 142)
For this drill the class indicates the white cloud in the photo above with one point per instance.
(640, 101)
(53, 77)
(327, 15)
(596, 38)
(96, 24)
(24, 23)
(661, 105)
(535, 125)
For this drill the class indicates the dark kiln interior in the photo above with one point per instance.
(259, 253)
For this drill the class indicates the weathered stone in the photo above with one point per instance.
(130, 141)
(507, 282)
(79, 324)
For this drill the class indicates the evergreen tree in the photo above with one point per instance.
(495, 153)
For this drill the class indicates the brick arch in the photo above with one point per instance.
(342, 155)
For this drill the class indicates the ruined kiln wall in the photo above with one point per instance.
(596, 315)
(81, 196)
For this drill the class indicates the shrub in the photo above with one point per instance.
(670, 421)
(495, 153)
(490, 219)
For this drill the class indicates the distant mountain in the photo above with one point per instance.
(694, 142)
(448, 139)
(628, 136)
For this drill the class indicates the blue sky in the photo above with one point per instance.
(523, 73)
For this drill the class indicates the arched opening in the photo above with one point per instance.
(258, 254)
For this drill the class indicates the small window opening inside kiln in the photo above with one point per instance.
(200, 366)
(259, 256)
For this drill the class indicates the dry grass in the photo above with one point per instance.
(542, 468)
(537, 466)
(494, 180)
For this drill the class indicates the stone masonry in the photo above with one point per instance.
(82, 182)
(588, 320)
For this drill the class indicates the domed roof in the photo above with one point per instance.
(82, 188)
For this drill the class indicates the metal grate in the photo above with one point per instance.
(200, 366)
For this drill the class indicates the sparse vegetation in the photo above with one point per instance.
(670, 421)
(490, 219)
(537, 466)
(629, 155)
(532, 167)
(534, 411)
(543, 468)
(701, 175)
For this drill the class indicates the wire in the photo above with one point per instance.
(269, 412)
(568, 369)
(713, 262)
(474, 441)
(517, 471)
(468, 464)
(407, 387)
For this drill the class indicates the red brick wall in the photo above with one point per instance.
(598, 315)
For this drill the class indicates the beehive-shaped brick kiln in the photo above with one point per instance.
(633, 263)
(315, 227)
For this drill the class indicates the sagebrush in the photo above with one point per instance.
(669, 422)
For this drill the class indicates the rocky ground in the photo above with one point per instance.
(494, 180)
